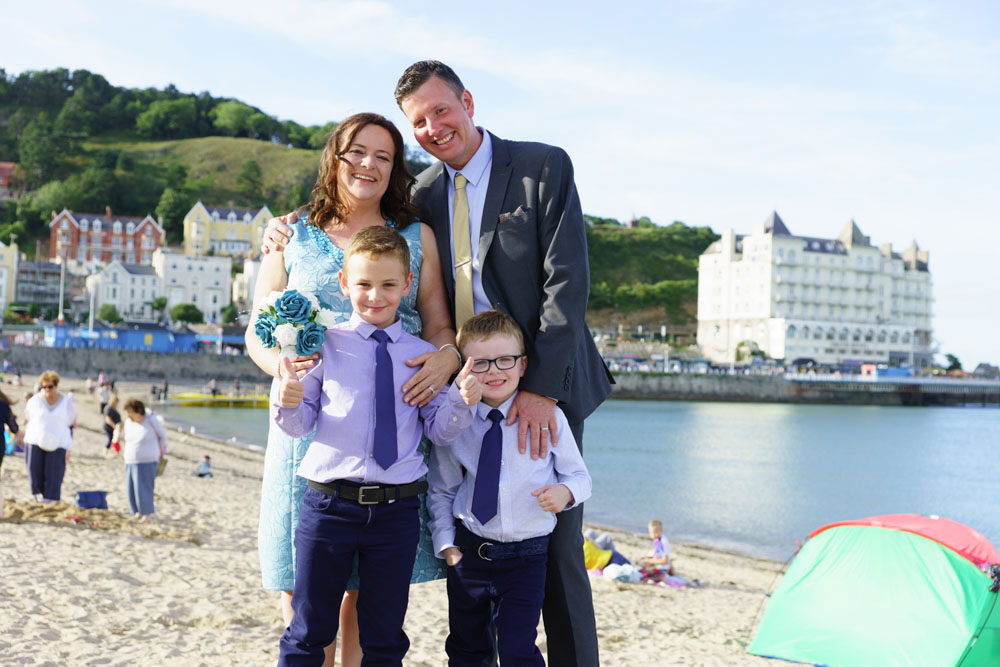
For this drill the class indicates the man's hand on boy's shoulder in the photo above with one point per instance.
(469, 386)
(291, 390)
(554, 497)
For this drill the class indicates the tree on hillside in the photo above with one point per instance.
(249, 180)
(39, 149)
(232, 117)
(108, 313)
(168, 119)
(320, 134)
(188, 313)
(953, 363)
(172, 208)
(261, 126)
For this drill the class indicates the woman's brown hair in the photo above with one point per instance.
(135, 405)
(325, 206)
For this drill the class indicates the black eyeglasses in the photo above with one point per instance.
(504, 363)
(48, 386)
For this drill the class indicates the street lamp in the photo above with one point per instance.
(62, 277)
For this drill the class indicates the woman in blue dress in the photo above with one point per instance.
(363, 181)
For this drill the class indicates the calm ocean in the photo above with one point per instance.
(752, 477)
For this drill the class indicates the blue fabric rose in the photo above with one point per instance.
(264, 328)
(293, 307)
(310, 339)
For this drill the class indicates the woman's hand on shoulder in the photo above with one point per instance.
(277, 233)
(436, 368)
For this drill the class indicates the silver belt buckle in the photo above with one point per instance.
(361, 495)
(479, 551)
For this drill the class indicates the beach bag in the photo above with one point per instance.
(161, 465)
(92, 500)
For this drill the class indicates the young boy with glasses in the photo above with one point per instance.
(492, 509)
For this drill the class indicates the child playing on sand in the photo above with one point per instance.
(204, 468)
(660, 553)
(363, 466)
(492, 510)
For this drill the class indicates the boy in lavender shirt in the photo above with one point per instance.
(492, 509)
(363, 467)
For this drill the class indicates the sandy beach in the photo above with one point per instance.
(91, 587)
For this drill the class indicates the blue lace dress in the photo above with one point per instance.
(312, 262)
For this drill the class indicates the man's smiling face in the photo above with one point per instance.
(442, 122)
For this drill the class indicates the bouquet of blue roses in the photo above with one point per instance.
(294, 322)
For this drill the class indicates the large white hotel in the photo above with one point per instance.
(797, 297)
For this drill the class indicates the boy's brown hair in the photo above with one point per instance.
(378, 241)
(487, 324)
(656, 523)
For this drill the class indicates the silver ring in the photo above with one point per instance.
(431, 388)
(545, 428)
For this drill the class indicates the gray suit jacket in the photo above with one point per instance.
(533, 253)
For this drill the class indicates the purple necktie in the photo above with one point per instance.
(484, 496)
(386, 450)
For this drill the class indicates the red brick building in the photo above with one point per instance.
(92, 238)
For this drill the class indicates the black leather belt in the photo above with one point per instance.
(470, 543)
(369, 494)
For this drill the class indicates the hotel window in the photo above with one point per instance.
(117, 227)
(84, 225)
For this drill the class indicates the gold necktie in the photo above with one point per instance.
(464, 308)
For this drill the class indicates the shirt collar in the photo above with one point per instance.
(366, 329)
(483, 410)
(480, 160)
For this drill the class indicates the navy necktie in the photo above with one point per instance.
(484, 496)
(386, 450)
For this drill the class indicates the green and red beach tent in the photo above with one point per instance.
(898, 589)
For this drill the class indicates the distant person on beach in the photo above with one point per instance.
(111, 420)
(90, 385)
(49, 417)
(659, 555)
(599, 551)
(7, 420)
(163, 390)
(204, 468)
(213, 388)
(364, 468)
(491, 522)
(236, 386)
(145, 443)
(341, 204)
(104, 392)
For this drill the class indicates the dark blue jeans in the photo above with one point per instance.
(329, 534)
(513, 589)
(46, 471)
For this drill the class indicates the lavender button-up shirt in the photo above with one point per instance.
(340, 402)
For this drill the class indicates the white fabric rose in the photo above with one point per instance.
(285, 334)
(326, 318)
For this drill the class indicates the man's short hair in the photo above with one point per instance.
(378, 241)
(487, 324)
(419, 73)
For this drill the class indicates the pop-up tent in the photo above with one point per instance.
(899, 589)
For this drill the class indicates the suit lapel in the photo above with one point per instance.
(499, 177)
(437, 202)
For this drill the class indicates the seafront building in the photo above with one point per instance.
(223, 230)
(244, 283)
(831, 300)
(203, 280)
(9, 259)
(130, 288)
(89, 241)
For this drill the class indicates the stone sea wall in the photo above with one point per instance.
(129, 365)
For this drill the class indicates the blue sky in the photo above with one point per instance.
(712, 112)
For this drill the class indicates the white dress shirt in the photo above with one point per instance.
(457, 432)
(477, 173)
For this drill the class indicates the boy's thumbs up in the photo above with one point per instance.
(291, 390)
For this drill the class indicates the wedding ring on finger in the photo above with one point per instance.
(431, 388)
(545, 428)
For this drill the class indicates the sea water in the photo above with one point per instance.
(756, 477)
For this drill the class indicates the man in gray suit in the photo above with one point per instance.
(528, 248)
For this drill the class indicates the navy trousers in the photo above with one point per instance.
(568, 611)
(507, 593)
(330, 532)
(46, 471)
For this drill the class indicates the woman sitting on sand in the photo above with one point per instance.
(144, 446)
(49, 417)
(363, 181)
